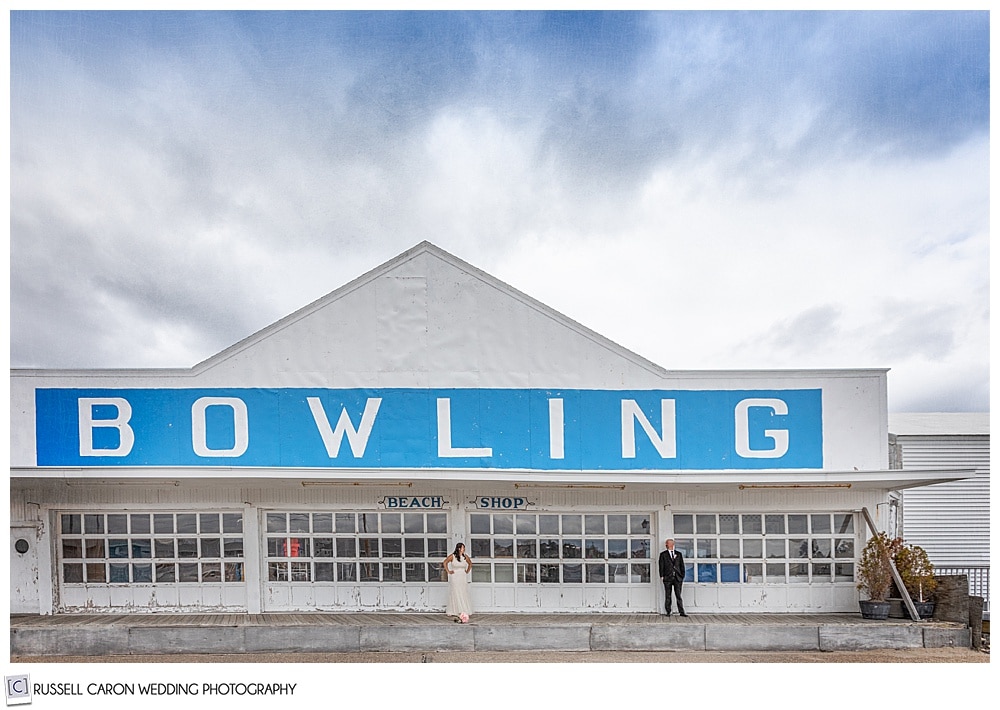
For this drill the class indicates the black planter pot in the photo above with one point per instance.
(925, 610)
(878, 611)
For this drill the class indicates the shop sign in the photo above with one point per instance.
(534, 429)
(501, 503)
(412, 502)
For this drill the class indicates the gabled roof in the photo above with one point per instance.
(429, 249)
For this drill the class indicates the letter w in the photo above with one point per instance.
(357, 438)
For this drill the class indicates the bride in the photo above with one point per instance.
(458, 565)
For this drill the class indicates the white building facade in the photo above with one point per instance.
(331, 461)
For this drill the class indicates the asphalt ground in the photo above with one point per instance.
(917, 655)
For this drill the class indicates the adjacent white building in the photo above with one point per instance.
(333, 459)
(949, 520)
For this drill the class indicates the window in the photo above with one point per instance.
(768, 548)
(557, 548)
(355, 546)
(151, 548)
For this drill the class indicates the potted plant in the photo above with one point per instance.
(875, 575)
(917, 573)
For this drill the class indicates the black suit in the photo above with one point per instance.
(672, 574)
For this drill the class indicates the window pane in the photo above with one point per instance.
(821, 524)
(683, 524)
(821, 547)
(594, 524)
(142, 573)
(573, 549)
(729, 572)
(234, 571)
(685, 546)
(617, 525)
(211, 547)
(594, 549)
(322, 522)
(729, 548)
(436, 573)
(93, 524)
(392, 572)
(527, 549)
(798, 572)
(707, 548)
(368, 548)
(211, 572)
(753, 548)
(618, 573)
(95, 548)
(298, 522)
(141, 548)
(503, 573)
(117, 573)
(188, 572)
(437, 523)
(640, 572)
(729, 524)
(526, 524)
(845, 547)
(482, 573)
(323, 547)
(707, 572)
(843, 572)
(751, 525)
(503, 524)
(503, 547)
(72, 549)
(209, 522)
(617, 548)
(367, 523)
(165, 572)
(369, 572)
(96, 573)
(392, 523)
(753, 572)
(414, 547)
(775, 572)
(527, 573)
(345, 522)
(118, 524)
(233, 546)
(347, 571)
(481, 547)
(573, 574)
(165, 548)
(438, 547)
(798, 524)
(640, 548)
(140, 524)
(480, 524)
(232, 522)
(798, 549)
(547, 573)
(187, 547)
(596, 573)
(415, 571)
(775, 548)
(774, 524)
(549, 548)
(639, 524)
(163, 523)
(706, 525)
(572, 525)
(324, 570)
(548, 524)
(413, 523)
(70, 525)
(392, 547)
(843, 523)
(821, 571)
(187, 523)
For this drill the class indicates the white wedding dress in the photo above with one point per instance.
(458, 589)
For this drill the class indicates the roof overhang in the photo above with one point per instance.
(890, 479)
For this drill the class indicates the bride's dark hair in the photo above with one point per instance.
(457, 553)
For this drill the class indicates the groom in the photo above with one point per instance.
(672, 574)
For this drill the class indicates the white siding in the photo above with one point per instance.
(949, 520)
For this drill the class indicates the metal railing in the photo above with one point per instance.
(979, 582)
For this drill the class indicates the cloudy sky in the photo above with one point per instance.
(710, 190)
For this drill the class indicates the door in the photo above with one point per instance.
(24, 569)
